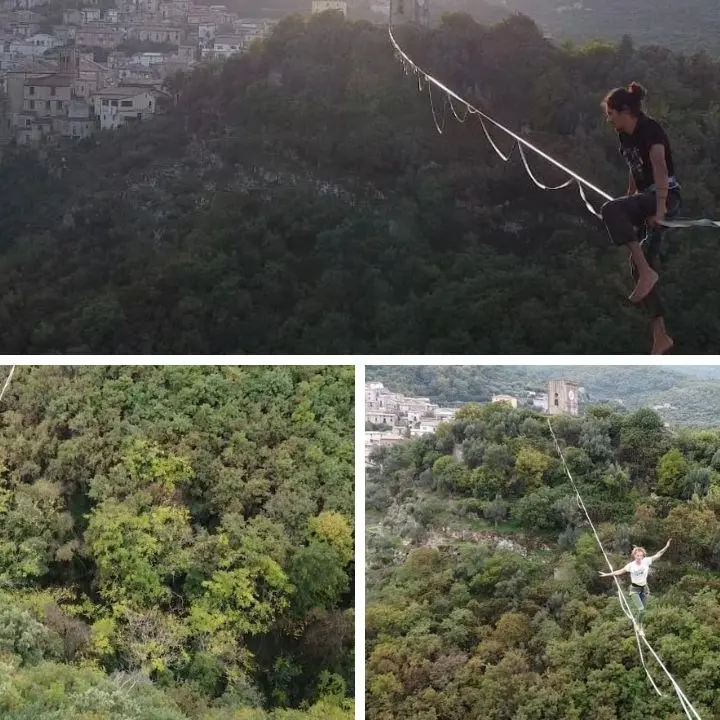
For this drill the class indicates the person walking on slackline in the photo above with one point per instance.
(638, 569)
(653, 193)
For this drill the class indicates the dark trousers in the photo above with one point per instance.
(639, 595)
(625, 219)
(641, 590)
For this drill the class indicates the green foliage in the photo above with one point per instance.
(318, 576)
(173, 539)
(643, 440)
(232, 603)
(137, 554)
(536, 510)
(530, 467)
(450, 475)
(497, 510)
(49, 690)
(490, 619)
(23, 636)
(671, 473)
(336, 531)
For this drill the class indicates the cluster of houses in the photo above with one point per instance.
(97, 70)
(71, 96)
(391, 417)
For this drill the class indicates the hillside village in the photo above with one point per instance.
(106, 63)
(391, 417)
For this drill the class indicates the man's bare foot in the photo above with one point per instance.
(660, 347)
(644, 286)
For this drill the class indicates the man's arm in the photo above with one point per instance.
(632, 187)
(660, 175)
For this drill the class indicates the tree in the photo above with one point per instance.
(450, 475)
(671, 472)
(497, 510)
(643, 441)
(318, 576)
(530, 467)
(23, 636)
(334, 528)
(535, 511)
(137, 553)
(243, 601)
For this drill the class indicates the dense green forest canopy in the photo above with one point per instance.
(176, 543)
(299, 199)
(484, 599)
(687, 395)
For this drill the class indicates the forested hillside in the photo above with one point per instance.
(177, 543)
(687, 395)
(484, 599)
(299, 199)
(688, 26)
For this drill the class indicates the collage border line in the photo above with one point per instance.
(360, 360)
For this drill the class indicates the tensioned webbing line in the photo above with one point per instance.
(580, 181)
(686, 704)
(7, 382)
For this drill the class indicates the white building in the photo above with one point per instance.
(445, 413)
(377, 417)
(429, 425)
(253, 29)
(81, 123)
(90, 14)
(36, 44)
(148, 58)
(319, 6)
(224, 46)
(375, 439)
(122, 105)
(135, 73)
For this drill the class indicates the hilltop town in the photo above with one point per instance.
(73, 71)
(391, 417)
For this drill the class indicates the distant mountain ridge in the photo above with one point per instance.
(688, 26)
(683, 394)
(708, 372)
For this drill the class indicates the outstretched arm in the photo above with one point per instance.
(617, 572)
(659, 553)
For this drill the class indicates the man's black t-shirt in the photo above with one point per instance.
(635, 149)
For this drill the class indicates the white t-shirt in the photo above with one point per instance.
(639, 571)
